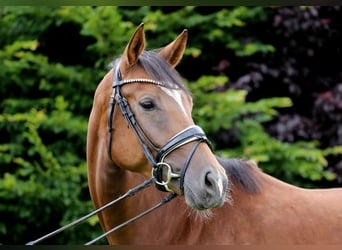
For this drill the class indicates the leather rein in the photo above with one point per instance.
(189, 134)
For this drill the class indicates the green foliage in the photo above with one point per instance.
(229, 110)
(105, 25)
(218, 26)
(48, 178)
(221, 110)
(43, 123)
(291, 162)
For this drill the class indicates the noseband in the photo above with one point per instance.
(189, 134)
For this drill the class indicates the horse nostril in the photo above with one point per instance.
(209, 180)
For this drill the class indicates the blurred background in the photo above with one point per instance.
(267, 85)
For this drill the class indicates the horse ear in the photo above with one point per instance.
(135, 46)
(174, 51)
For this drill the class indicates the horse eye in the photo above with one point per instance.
(147, 104)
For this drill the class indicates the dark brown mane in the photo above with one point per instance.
(242, 173)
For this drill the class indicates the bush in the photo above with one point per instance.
(237, 128)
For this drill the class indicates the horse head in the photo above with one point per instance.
(151, 128)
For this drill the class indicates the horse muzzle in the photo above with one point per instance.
(207, 191)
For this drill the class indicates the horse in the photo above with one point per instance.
(141, 127)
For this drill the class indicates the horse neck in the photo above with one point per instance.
(109, 183)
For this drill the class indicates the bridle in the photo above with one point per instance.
(189, 134)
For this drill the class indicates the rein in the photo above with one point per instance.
(129, 193)
(165, 200)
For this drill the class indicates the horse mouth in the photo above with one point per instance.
(202, 200)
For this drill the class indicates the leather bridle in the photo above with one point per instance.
(190, 134)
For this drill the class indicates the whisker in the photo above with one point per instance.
(228, 197)
(200, 215)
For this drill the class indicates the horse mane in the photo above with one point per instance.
(159, 69)
(243, 174)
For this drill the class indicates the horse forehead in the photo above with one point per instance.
(176, 95)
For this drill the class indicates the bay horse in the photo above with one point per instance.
(141, 126)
